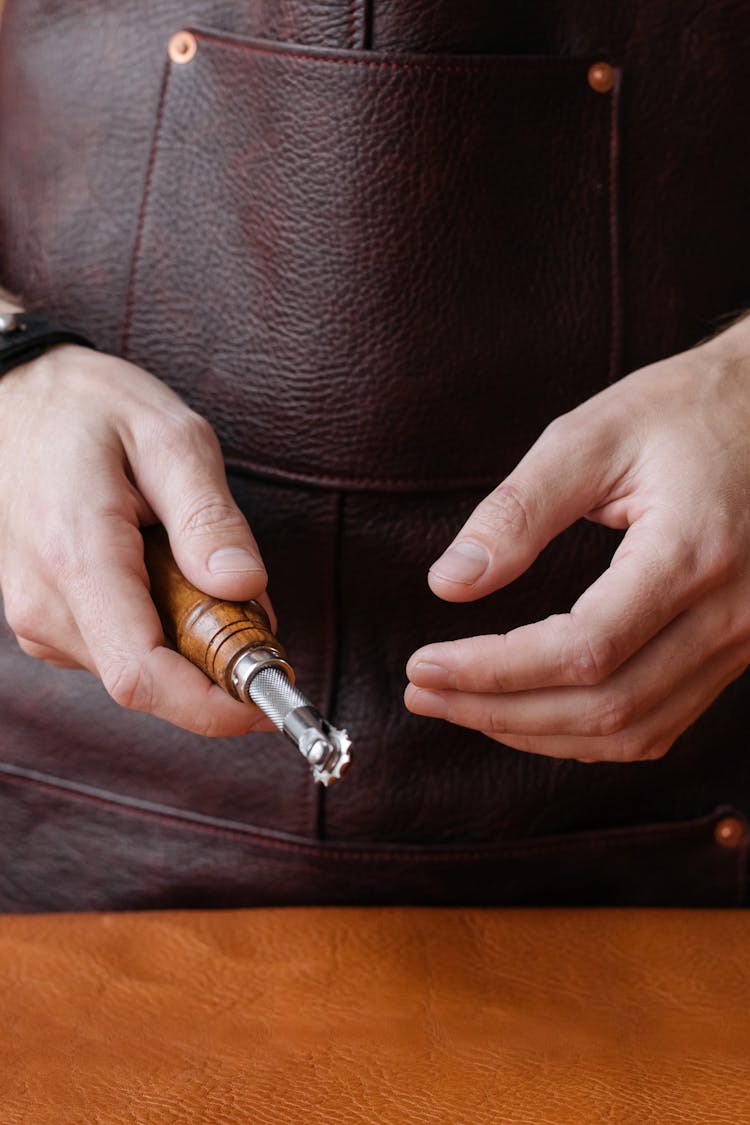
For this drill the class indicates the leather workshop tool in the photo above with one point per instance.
(232, 643)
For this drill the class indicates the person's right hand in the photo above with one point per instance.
(93, 448)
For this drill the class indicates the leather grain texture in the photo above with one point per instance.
(681, 177)
(80, 88)
(347, 1017)
(256, 780)
(72, 846)
(391, 249)
(417, 235)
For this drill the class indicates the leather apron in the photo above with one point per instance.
(379, 246)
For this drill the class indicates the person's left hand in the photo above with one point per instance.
(664, 453)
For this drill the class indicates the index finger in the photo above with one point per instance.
(119, 624)
(653, 578)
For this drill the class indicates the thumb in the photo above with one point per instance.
(186, 487)
(563, 476)
(214, 547)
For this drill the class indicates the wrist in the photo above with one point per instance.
(26, 334)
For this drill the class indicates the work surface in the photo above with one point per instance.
(338, 1016)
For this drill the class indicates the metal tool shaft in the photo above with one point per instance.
(232, 642)
(325, 748)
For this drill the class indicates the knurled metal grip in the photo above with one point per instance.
(248, 664)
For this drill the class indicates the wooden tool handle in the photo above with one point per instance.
(211, 633)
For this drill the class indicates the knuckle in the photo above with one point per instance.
(721, 557)
(506, 509)
(50, 554)
(209, 515)
(654, 753)
(557, 432)
(497, 679)
(128, 684)
(591, 659)
(495, 724)
(25, 618)
(651, 749)
(621, 747)
(181, 431)
(635, 747)
(737, 630)
(495, 736)
(56, 561)
(481, 666)
(210, 726)
(612, 714)
(186, 427)
(36, 650)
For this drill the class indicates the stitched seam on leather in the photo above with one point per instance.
(130, 297)
(180, 818)
(396, 853)
(507, 61)
(324, 479)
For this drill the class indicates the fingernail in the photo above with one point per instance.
(426, 702)
(425, 674)
(233, 560)
(465, 562)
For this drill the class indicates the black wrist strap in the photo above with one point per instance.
(25, 335)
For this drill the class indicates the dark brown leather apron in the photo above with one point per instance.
(379, 246)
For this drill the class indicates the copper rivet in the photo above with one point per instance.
(601, 77)
(182, 47)
(729, 831)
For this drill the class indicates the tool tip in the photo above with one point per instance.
(330, 757)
